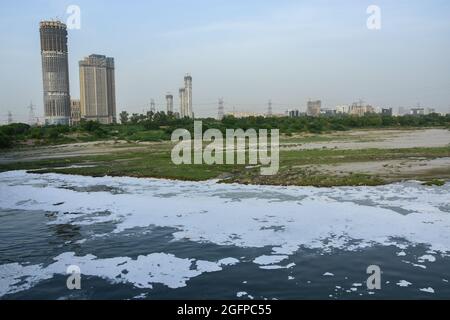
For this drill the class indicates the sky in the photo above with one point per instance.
(246, 51)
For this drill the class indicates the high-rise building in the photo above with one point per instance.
(55, 72)
(313, 108)
(169, 102)
(182, 93)
(188, 96)
(75, 112)
(97, 89)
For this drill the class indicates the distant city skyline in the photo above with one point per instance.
(244, 51)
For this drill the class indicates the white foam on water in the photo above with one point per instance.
(228, 262)
(202, 211)
(142, 272)
(427, 290)
(404, 283)
(282, 218)
(427, 257)
(265, 260)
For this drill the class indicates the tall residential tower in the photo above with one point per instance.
(188, 92)
(186, 98)
(182, 93)
(55, 72)
(97, 89)
(169, 102)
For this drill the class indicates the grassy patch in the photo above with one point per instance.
(434, 182)
(154, 160)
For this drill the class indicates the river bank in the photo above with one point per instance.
(356, 157)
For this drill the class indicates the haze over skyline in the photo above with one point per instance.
(245, 51)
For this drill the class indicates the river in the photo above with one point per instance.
(160, 239)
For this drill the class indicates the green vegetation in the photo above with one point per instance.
(434, 182)
(159, 127)
(297, 167)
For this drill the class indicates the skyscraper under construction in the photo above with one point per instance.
(186, 98)
(55, 72)
(169, 102)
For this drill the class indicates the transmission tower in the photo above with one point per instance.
(152, 106)
(10, 118)
(269, 109)
(220, 112)
(31, 116)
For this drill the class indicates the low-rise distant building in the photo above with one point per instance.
(417, 111)
(342, 109)
(402, 111)
(244, 114)
(386, 111)
(328, 112)
(295, 113)
(358, 109)
(75, 112)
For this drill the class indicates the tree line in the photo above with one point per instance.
(155, 126)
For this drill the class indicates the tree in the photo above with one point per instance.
(123, 117)
(90, 126)
(5, 141)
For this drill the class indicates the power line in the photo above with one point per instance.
(152, 106)
(221, 110)
(31, 116)
(10, 118)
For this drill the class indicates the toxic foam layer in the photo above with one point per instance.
(142, 272)
(246, 216)
(283, 218)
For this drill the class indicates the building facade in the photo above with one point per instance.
(182, 95)
(169, 103)
(313, 108)
(75, 112)
(358, 109)
(97, 89)
(55, 72)
(186, 98)
(386, 111)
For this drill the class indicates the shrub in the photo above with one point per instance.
(5, 141)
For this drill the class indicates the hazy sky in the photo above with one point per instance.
(246, 51)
